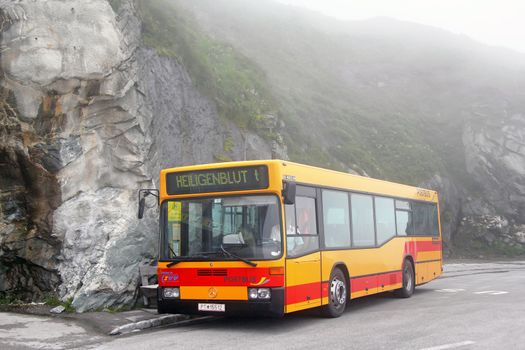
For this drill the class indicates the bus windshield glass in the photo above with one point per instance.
(203, 228)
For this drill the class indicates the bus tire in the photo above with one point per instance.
(409, 280)
(337, 294)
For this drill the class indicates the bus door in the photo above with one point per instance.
(303, 262)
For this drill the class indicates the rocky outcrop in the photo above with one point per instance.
(495, 158)
(494, 211)
(489, 236)
(89, 116)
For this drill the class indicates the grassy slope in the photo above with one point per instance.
(352, 96)
(230, 79)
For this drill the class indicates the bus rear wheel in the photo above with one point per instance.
(409, 281)
(337, 294)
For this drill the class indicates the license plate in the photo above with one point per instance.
(211, 307)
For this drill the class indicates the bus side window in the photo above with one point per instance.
(301, 227)
(385, 219)
(425, 219)
(289, 210)
(336, 219)
(306, 218)
(363, 232)
(404, 218)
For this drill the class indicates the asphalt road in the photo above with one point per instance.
(473, 306)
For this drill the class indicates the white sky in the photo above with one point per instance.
(493, 22)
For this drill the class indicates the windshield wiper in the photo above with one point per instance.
(198, 255)
(173, 263)
(205, 253)
(231, 255)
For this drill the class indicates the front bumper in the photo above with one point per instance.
(271, 308)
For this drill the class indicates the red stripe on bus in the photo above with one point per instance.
(358, 284)
(386, 279)
(324, 289)
(219, 277)
(412, 248)
(303, 292)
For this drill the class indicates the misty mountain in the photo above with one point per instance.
(387, 96)
(393, 100)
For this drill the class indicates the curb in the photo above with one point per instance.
(155, 322)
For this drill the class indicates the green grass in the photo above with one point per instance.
(9, 299)
(236, 84)
(52, 300)
(222, 158)
(68, 304)
(228, 144)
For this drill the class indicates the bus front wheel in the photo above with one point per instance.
(409, 281)
(337, 294)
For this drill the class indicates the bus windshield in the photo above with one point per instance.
(248, 227)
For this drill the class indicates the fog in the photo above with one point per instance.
(497, 23)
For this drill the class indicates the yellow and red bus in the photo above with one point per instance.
(272, 237)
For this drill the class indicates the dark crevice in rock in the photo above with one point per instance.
(29, 193)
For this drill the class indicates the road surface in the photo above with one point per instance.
(473, 306)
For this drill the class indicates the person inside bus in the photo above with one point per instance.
(275, 239)
(306, 227)
(304, 223)
(294, 229)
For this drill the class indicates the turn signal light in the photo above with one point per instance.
(277, 270)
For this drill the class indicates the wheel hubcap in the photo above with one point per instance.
(337, 292)
(408, 278)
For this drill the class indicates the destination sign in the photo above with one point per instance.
(217, 180)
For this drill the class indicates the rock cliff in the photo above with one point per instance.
(88, 116)
(494, 211)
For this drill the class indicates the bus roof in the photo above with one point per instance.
(311, 175)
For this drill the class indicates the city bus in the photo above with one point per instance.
(273, 237)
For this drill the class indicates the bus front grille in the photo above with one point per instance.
(212, 272)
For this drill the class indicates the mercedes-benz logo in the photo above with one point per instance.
(212, 292)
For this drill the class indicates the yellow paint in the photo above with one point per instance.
(223, 293)
(261, 281)
(424, 256)
(303, 305)
(303, 270)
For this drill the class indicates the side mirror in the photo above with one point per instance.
(142, 199)
(289, 192)
(142, 203)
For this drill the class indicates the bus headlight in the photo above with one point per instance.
(264, 293)
(172, 292)
(259, 293)
(252, 293)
